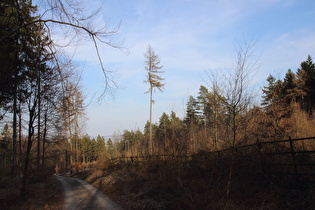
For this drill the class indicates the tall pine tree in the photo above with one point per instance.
(306, 84)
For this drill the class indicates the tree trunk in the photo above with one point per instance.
(38, 121)
(20, 133)
(28, 153)
(150, 140)
(44, 138)
(228, 190)
(13, 172)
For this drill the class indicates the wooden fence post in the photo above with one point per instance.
(294, 160)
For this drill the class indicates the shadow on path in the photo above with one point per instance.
(81, 195)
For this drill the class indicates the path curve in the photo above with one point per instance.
(80, 195)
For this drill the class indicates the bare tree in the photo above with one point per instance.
(71, 109)
(76, 23)
(233, 89)
(236, 95)
(152, 66)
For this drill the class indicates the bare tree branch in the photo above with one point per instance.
(75, 17)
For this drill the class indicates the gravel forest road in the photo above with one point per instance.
(80, 195)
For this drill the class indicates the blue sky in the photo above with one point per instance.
(191, 37)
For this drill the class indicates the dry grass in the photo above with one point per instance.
(199, 185)
(46, 194)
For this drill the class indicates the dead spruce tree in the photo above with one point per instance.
(152, 66)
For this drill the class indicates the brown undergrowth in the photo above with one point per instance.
(201, 184)
(44, 191)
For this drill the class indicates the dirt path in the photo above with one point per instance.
(81, 195)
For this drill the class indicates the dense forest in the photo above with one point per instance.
(42, 110)
(41, 103)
